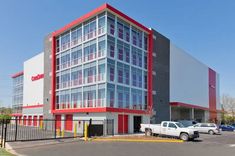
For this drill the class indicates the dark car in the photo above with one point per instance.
(226, 128)
(233, 125)
(187, 123)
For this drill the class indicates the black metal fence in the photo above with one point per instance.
(38, 129)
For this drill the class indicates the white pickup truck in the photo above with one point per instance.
(169, 128)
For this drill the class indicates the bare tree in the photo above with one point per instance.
(228, 104)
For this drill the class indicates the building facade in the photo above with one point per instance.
(105, 65)
(17, 98)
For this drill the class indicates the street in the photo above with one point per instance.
(215, 145)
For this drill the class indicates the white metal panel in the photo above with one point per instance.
(188, 79)
(33, 90)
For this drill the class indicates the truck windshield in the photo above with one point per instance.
(180, 125)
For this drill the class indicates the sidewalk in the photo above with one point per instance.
(28, 144)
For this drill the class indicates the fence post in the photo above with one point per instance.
(55, 128)
(89, 129)
(113, 126)
(5, 133)
(16, 128)
(2, 122)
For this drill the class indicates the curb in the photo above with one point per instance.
(139, 140)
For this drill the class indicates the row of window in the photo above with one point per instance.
(17, 100)
(123, 32)
(78, 75)
(89, 29)
(89, 74)
(124, 75)
(94, 96)
(18, 90)
(18, 80)
(74, 57)
(138, 57)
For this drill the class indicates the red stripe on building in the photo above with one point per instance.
(16, 114)
(188, 105)
(100, 110)
(33, 106)
(212, 95)
(17, 74)
(94, 12)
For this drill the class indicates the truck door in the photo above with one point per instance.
(164, 128)
(172, 130)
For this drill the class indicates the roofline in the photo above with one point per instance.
(96, 11)
(17, 74)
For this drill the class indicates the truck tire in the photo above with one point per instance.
(211, 132)
(148, 132)
(184, 136)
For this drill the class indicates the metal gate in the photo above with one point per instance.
(44, 129)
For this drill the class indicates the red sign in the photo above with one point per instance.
(37, 77)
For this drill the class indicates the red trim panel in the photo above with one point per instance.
(53, 77)
(69, 122)
(188, 105)
(17, 74)
(95, 11)
(16, 114)
(29, 120)
(33, 106)
(99, 110)
(122, 123)
(35, 121)
(58, 121)
(127, 18)
(212, 94)
(79, 20)
(24, 120)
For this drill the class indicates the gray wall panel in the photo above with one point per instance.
(161, 81)
(47, 77)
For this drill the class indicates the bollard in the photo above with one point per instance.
(62, 133)
(41, 124)
(86, 132)
(58, 132)
(75, 130)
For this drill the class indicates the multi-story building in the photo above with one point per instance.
(105, 65)
(100, 69)
(17, 98)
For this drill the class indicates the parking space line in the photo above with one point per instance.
(138, 140)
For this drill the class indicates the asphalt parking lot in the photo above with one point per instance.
(215, 145)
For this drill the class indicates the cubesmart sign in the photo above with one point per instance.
(37, 77)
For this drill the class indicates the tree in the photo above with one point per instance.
(228, 104)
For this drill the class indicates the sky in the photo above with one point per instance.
(203, 28)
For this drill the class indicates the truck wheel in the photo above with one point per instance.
(211, 132)
(184, 136)
(148, 132)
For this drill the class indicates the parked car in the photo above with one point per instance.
(233, 125)
(209, 128)
(226, 128)
(169, 128)
(188, 123)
